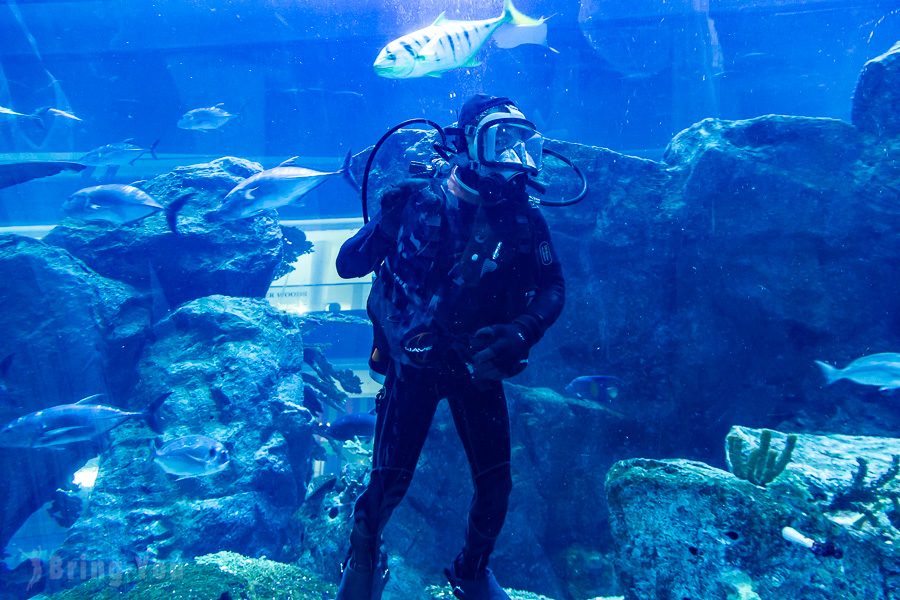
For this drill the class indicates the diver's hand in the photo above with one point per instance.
(499, 351)
(392, 203)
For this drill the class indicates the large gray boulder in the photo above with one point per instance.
(67, 333)
(233, 366)
(711, 282)
(232, 258)
(684, 529)
(877, 96)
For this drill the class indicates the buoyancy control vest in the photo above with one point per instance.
(449, 275)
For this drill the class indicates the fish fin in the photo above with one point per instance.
(57, 436)
(512, 15)
(347, 171)
(128, 141)
(831, 373)
(511, 35)
(153, 149)
(111, 171)
(888, 388)
(440, 19)
(159, 304)
(291, 162)
(219, 104)
(88, 172)
(196, 459)
(92, 399)
(174, 208)
(469, 64)
(151, 414)
(248, 193)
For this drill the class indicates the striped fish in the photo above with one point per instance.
(446, 45)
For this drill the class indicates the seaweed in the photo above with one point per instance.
(762, 465)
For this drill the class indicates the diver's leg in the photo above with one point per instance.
(482, 422)
(404, 413)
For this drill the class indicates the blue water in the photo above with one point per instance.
(298, 75)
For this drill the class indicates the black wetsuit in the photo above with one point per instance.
(407, 404)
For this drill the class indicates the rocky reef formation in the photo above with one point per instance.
(232, 258)
(878, 94)
(234, 366)
(67, 333)
(684, 529)
(113, 320)
(222, 575)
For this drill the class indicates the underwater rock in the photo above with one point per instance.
(233, 258)
(225, 360)
(752, 251)
(877, 95)
(221, 576)
(70, 333)
(699, 532)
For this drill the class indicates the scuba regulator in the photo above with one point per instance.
(491, 187)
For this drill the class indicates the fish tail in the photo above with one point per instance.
(174, 208)
(512, 15)
(517, 29)
(151, 414)
(155, 445)
(347, 171)
(831, 374)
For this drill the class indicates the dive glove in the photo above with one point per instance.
(392, 203)
(499, 351)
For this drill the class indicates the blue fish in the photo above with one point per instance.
(600, 388)
(349, 426)
(65, 424)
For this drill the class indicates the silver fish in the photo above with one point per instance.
(56, 112)
(192, 456)
(281, 186)
(65, 424)
(112, 202)
(205, 119)
(121, 153)
(446, 44)
(113, 156)
(8, 114)
(881, 370)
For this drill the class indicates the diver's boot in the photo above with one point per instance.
(362, 580)
(356, 580)
(380, 576)
(481, 585)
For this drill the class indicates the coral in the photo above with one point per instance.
(762, 465)
(221, 575)
(866, 499)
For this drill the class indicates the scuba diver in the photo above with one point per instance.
(467, 282)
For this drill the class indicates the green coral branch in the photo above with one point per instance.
(762, 465)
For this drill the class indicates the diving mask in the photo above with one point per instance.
(507, 140)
